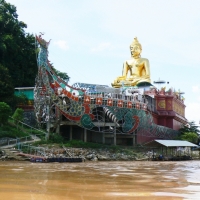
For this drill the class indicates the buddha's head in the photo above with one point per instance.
(135, 48)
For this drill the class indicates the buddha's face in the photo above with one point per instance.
(135, 51)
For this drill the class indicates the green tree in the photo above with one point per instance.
(17, 48)
(190, 137)
(18, 115)
(5, 112)
(62, 75)
(6, 87)
(190, 132)
(190, 127)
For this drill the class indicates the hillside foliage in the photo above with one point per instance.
(17, 49)
(5, 112)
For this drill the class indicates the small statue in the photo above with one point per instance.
(163, 88)
(135, 69)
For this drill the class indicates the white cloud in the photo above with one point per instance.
(62, 44)
(101, 47)
(196, 89)
(193, 112)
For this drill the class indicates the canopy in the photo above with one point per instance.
(170, 143)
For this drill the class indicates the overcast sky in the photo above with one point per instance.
(90, 39)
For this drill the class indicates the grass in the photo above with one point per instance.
(25, 128)
(13, 130)
(10, 131)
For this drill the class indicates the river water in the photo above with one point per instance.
(100, 180)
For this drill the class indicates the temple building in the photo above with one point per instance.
(133, 111)
(167, 107)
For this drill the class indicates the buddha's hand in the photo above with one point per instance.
(145, 76)
(132, 78)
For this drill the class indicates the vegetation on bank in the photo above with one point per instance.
(91, 148)
(5, 112)
(10, 127)
(190, 132)
(11, 131)
(57, 139)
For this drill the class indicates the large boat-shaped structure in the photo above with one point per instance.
(98, 108)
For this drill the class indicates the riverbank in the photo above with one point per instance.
(84, 150)
(87, 154)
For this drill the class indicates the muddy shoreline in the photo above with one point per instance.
(87, 154)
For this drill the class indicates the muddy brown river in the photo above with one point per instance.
(100, 180)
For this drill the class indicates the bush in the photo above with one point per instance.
(11, 132)
(190, 136)
(56, 138)
(53, 138)
(18, 115)
(5, 112)
(17, 100)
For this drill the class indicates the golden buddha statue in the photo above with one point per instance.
(135, 69)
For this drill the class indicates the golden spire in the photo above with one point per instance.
(135, 42)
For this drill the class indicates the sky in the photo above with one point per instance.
(90, 39)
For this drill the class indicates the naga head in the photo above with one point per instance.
(43, 43)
